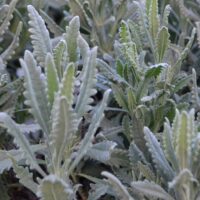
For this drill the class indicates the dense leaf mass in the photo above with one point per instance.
(99, 100)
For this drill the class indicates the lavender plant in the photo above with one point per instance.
(57, 111)
(141, 144)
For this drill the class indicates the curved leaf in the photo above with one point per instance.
(15, 42)
(60, 57)
(101, 151)
(162, 43)
(87, 141)
(6, 22)
(88, 83)
(67, 84)
(151, 189)
(21, 141)
(54, 188)
(158, 156)
(71, 36)
(120, 189)
(35, 91)
(52, 78)
(64, 125)
(39, 35)
(153, 18)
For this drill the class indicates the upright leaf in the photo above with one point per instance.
(52, 78)
(162, 43)
(60, 57)
(166, 15)
(64, 125)
(51, 24)
(158, 156)
(120, 96)
(124, 32)
(6, 22)
(184, 134)
(35, 91)
(77, 9)
(84, 48)
(14, 44)
(86, 143)
(153, 18)
(71, 36)
(136, 155)
(198, 32)
(88, 83)
(39, 35)
(168, 146)
(67, 84)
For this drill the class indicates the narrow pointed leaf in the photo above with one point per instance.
(150, 189)
(162, 43)
(60, 57)
(87, 141)
(184, 136)
(153, 18)
(158, 156)
(72, 33)
(15, 43)
(35, 91)
(39, 35)
(168, 147)
(63, 127)
(88, 83)
(52, 78)
(77, 9)
(6, 22)
(67, 83)
(51, 24)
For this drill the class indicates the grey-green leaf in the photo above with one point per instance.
(158, 156)
(88, 82)
(35, 91)
(52, 78)
(39, 35)
(71, 36)
(151, 189)
(21, 141)
(25, 177)
(64, 125)
(54, 188)
(120, 189)
(66, 87)
(87, 141)
(101, 151)
(162, 43)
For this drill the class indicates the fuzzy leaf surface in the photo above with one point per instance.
(158, 156)
(35, 91)
(54, 188)
(39, 35)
